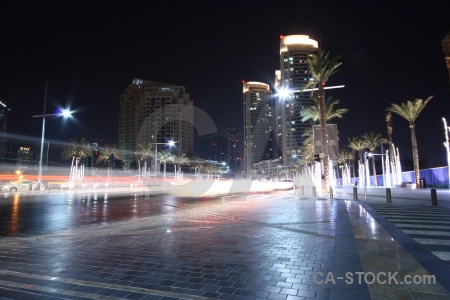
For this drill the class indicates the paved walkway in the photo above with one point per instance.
(256, 247)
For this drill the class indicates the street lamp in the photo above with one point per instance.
(63, 112)
(169, 143)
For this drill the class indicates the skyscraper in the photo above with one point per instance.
(153, 112)
(292, 76)
(257, 121)
(233, 150)
(4, 111)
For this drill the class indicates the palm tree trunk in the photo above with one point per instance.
(360, 162)
(323, 137)
(347, 173)
(337, 174)
(415, 154)
(447, 60)
(164, 170)
(391, 146)
(374, 172)
(354, 166)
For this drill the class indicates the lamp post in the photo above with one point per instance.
(169, 143)
(285, 92)
(65, 113)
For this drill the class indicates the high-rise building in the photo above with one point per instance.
(292, 76)
(233, 149)
(153, 112)
(211, 147)
(257, 122)
(4, 111)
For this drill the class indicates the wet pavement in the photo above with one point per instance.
(263, 246)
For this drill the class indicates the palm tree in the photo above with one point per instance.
(345, 155)
(165, 157)
(308, 153)
(78, 150)
(108, 155)
(410, 112)
(194, 163)
(313, 112)
(389, 140)
(179, 161)
(206, 168)
(145, 151)
(357, 145)
(106, 152)
(372, 141)
(322, 68)
(446, 50)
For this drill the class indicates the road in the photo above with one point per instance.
(37, 213)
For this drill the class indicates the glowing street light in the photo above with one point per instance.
(169, 143)
(64, 113)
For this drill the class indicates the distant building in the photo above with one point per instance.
(153, 112)
(211, 147)
(4, 111)
(233, 149)
(257, 122)
(292, 76)
(267, 168)
(25, 157)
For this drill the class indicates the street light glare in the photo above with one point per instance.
(284, 93)
(66, 113)
(171, 143)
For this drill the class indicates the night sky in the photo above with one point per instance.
(91, 50)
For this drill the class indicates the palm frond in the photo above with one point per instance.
(78, 148)
(409, 110)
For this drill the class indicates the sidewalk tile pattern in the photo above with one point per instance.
(255, 247)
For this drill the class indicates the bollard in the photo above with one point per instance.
(314, 191)
(331, 192)
(388, 195)
(302, 190)
(355, 193)
(433, 197)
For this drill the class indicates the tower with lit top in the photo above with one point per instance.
(257, 119)
(293, 75)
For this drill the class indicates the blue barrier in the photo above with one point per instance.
(434, 177)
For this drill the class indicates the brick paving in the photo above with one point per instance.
(269, 246)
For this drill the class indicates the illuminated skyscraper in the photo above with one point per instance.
(232, 149)
(257, 121)
(4, 111)
(293, 75)
(153, 112)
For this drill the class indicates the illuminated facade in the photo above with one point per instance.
(293, 75)
(153, 112)
(257, 123)
(232, 149)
